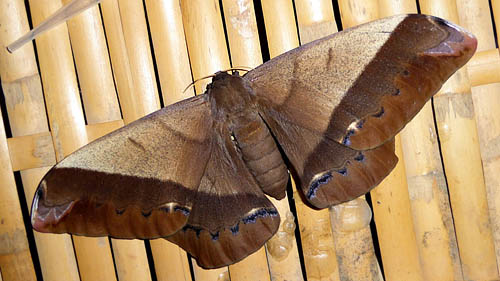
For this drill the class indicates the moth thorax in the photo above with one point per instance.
(261, 154)
(230, 93)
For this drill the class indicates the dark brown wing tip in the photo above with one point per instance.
(45, 219)
(76, 213)
(460, 42)
(357, 177)
(422, 78)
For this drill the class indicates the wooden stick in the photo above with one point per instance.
(396, 235)
(458, 133)
(203, 28)
(432, 221)
(244, 44)
(130, 53)
(208, 54)
(68, 126)
(315, 21)
(355, 246)
(15, 256)
(476, 17)
(101, 105)
(58, 17)
(26, 109)
(167, 31)
(282, 36)
(484, 68)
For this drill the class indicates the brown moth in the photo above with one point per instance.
(197, 172)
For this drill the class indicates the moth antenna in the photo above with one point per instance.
(63, 14)
(232, 69)
(199, 79)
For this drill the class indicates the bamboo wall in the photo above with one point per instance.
(436, 217)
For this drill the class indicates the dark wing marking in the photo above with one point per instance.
(330, 173)
(231, 217)
(360, 87)
(137, 182)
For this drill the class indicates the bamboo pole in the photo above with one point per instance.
(167, 31)
(364, 11)
(484, 68)
(350, 223)
(432, 221)
(68, 126)
(396, 235)
(391, 201)
(241, 27)
(93, 66)
(357, 255)
(458, 133)
(282, 36)
(101, 105)
(15, 256)
(208, 54)
(317, 241)
(136, 84)
(495, 7)
(476, 17)
(130, 53)
(205, 39)
(316, 20)
(26, 109)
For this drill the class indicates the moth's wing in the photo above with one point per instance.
(360, 87)
(330, 173)
(137, 182)
(231, 217)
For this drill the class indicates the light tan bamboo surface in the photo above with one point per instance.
(316, 20)
(436, 216)
(167, 32)
(24, 101)
(458, 133)
(244, 46)
(68, 126)
(432, 224)
(207, 50)
(15, 256)
(391, 204)
(282, 36)
(101, 105)
(486, 100)
(351, 220)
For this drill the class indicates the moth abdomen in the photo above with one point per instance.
(261, 155)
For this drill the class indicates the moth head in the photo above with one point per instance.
(229, 93)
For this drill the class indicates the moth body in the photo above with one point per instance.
(232, 100)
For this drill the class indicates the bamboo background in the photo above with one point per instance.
(436, 217)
